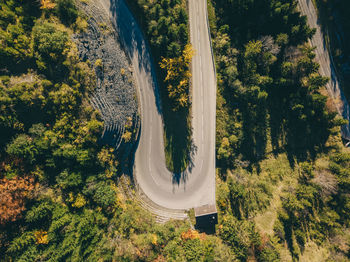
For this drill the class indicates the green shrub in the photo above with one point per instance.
(50, 47)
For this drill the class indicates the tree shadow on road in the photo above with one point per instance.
(132, 40)
(179, 149)
(177, 138)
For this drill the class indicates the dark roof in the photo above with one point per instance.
(205, 210)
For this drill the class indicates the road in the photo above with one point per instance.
(197, 184)
(326, 65)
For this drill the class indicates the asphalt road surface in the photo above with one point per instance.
(326, 66)
(197, 184)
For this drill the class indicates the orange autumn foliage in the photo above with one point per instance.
(192, 234)
(13, 195)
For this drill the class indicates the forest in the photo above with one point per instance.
(62, 194)
(283, 174)
(279, 153)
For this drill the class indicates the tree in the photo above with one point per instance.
(66, 11)
(236, 235)
(69, 180)
(23, 147)
(178, 76)
(103, 195)
(47, 4)
(13, 195)
(50, 46)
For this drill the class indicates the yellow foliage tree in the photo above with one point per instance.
(127, 136)
(188, 53)
(154, 239)
(178, 76)
(79, 201)
(47, 4)
(41, 237)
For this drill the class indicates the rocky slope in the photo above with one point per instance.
(115, 95)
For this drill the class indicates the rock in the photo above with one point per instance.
(115, 95)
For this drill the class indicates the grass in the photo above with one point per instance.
(277, 172)
(266, 220)
(314, 253)
(285, 255)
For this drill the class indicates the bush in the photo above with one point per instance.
(50, 46)
(22, 147)
(104, 195)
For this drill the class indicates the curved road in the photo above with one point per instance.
(197, 184)
(326, 64)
